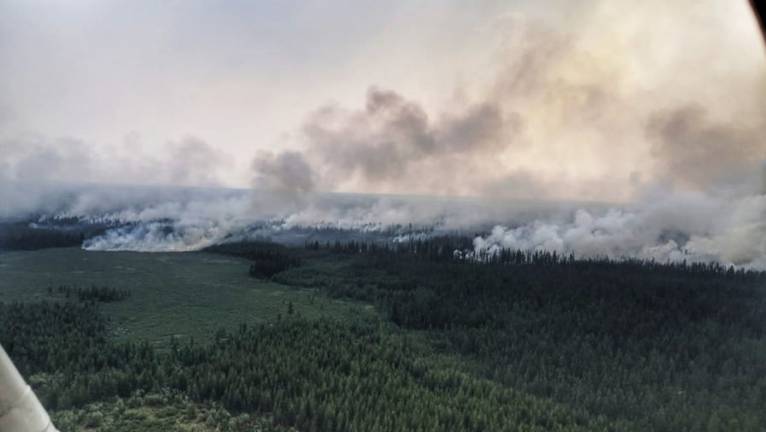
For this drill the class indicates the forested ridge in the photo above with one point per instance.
(27, 235)
(20, 236)
(317, 376)
(667, 346)
(515, 341)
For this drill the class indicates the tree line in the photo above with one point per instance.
(93, 293)
(666, 346)
(267, 259)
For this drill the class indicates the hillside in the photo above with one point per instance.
(358, 337)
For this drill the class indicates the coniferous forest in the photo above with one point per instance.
(527, 341)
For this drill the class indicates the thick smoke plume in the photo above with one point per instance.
(697, 153)
(661, 132)
(391, 139)
(690, 228)
(594, 111)
(568, 115)
(286, 172)
(392, 136)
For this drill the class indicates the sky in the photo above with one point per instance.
(589, 100)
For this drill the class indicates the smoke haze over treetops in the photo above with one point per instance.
(657, 108)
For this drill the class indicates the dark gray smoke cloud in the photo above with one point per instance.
(700, 153)
(390, 140)
(286, 172)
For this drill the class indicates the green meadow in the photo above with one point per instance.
(171, 294)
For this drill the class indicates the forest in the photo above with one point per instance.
(29, 235)
(515, 341)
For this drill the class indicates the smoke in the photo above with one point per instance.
(692, 228)
(157, 219)
(392, 136)
(594, 111)
(286, 172)
(192, 161)
(663, 226)
(592, 135)
(388, 142)
(37, 172)
(694, 152)
(34, 159)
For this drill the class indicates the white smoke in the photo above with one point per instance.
(185, 219)
(673, 228)
(724, 226)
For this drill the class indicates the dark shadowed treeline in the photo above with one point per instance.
(460, 248)
(20, 236)
(93, 293)
(267, 259)
(59, 232)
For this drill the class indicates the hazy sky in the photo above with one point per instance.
(582, 99)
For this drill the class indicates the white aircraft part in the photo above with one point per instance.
(20, 410)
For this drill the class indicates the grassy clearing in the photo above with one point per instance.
(173, 294)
